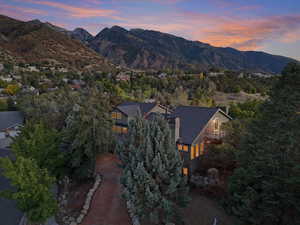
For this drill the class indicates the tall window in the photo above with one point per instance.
(197, 150)
(192, 152)
(202, 148)
(185, 171)
(217, 125)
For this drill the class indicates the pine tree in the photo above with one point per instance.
(266, 188)
(87, 133)
(152, 176)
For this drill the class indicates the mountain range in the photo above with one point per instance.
(135, 48)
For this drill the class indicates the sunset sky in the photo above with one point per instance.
(266, 25)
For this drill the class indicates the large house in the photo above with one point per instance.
(197, 127)
(10, 122)
(194, 127)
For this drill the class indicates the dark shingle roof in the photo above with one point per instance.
(135, 108)
(8, 119)
(9, 213)
(192, 121)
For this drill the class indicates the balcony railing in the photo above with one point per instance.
(217, 134)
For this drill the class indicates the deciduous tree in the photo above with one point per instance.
(32, 188)
(42, 144)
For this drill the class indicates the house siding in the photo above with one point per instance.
(194, 164)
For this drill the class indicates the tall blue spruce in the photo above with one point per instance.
(152, 176)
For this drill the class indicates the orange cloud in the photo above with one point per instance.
(248, 34)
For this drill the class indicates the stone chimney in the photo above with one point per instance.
(177, 128)
(227, 109)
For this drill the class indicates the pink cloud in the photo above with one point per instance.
(77, 12)
(23, 13)
(23, 9)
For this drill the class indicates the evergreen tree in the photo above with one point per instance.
(32, 188)
(88, 132)
(152, 176)
(266, 188)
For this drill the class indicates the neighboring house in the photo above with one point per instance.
(33, 69)
(127, 111)
(10, 122)
(162, 75)
(63, 70)
(194, 128)
(6, 79)
(215, 74)
(9, 214)
(123, 77)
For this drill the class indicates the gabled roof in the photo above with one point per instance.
(192, 121)
(135, 108)
(10, 118)
(9, 213)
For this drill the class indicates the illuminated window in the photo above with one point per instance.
(192, 152)
(185, 171)
(185, 148)
(119, 130)
(114, 129)
(116, 115)
(179, 147)
(202, 148)
(119, 116)
(124, 130)
(197, 150)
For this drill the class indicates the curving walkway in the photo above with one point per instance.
(108, 208)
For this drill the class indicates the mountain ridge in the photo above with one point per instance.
(149, 49)
(37, 42)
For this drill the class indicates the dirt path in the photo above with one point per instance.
(108, 208)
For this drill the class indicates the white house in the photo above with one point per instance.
(33, 69)
(6, 79)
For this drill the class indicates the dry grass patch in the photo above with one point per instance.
(225, 99)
